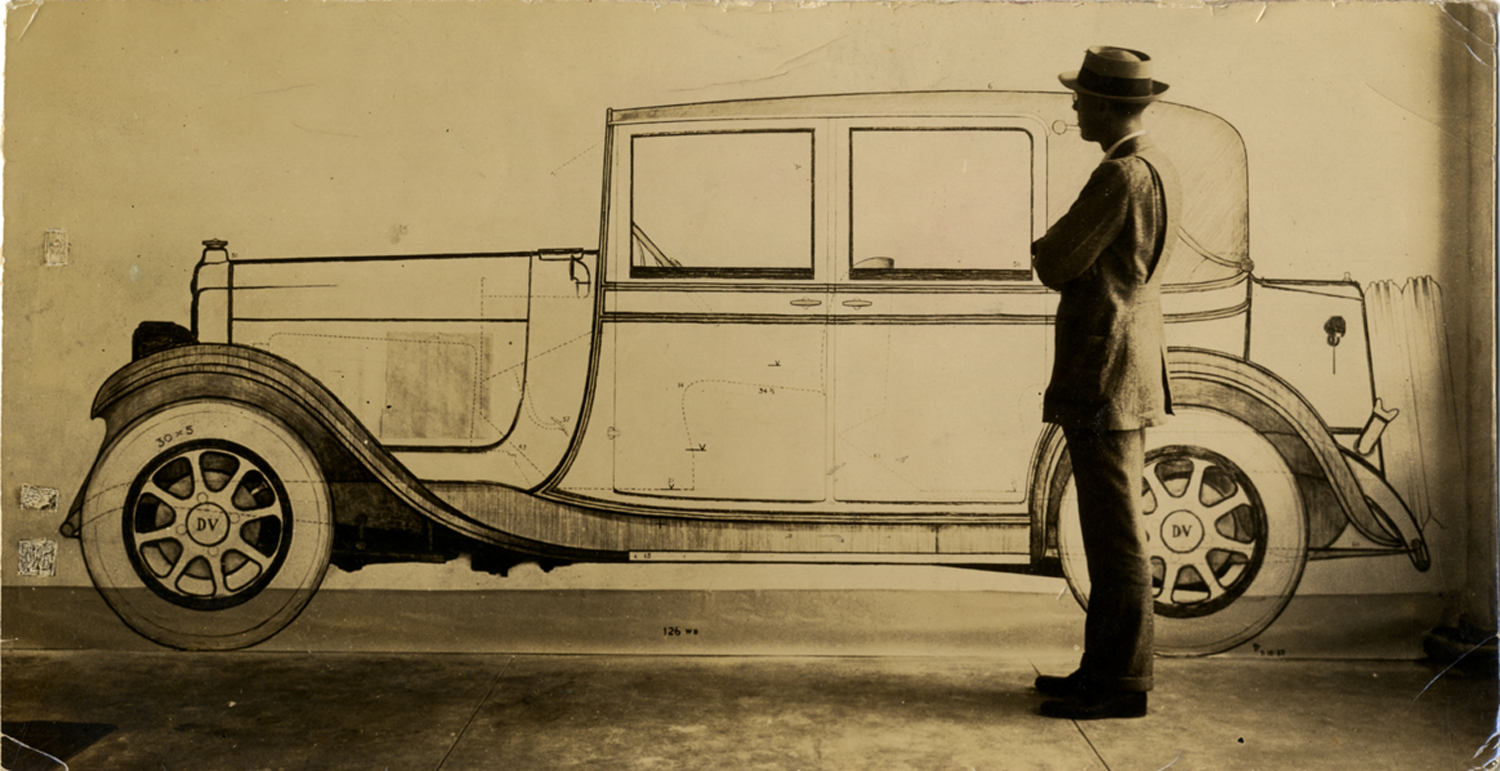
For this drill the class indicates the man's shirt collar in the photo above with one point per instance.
(1112, 148)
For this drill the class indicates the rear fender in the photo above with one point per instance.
(1274, 409)
(1323, 468)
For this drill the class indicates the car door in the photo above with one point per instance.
(718, 318)
(940, 329)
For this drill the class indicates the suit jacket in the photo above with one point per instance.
(1106, 257)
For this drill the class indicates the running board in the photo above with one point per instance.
(822, 558)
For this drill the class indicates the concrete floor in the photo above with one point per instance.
(258, 710)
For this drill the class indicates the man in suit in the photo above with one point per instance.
(1106, 257)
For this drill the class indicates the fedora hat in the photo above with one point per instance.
(1121, 74)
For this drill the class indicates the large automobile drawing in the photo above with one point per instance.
(809, 333)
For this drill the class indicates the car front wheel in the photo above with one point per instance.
(207, 526)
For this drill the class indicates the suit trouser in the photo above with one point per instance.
(1107, 473)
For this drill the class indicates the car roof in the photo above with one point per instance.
(889, 103)
(1207, 151)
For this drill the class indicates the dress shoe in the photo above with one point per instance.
(1061, 687)
(1096, 704)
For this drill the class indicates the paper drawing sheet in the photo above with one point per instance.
(744, 290)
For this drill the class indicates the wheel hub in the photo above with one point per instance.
(1207, 525)
(208, 524)
(1182, 531)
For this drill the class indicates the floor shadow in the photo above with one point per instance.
(43, 745)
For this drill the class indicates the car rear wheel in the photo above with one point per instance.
(207, 526)
(1225, 532)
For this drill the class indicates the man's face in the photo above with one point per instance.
(1093, 113)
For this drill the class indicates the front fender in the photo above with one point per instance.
(231, 373)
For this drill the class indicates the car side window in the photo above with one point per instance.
(940, 204)
(722, 205)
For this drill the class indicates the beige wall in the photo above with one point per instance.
(305, 128)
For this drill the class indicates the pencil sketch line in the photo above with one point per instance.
(477, 380)
(576, 157)
(785, 66)
(1410, 110)
(885, 394)
(487, 694)
(875, 456)
(1466, 140)
(736, 82)
(1303, 290)
(484, 414)
(781, 71)
(552, 424)
(539, 355)
(279, 90)
(517, 456)
(320, 131)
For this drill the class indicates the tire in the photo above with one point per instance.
(1225, 531)
(207, 526)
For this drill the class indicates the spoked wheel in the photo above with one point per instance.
(1209, 530)
(1225, 532)
(207, 526)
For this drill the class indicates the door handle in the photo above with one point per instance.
(857, 303)
(807, 303)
